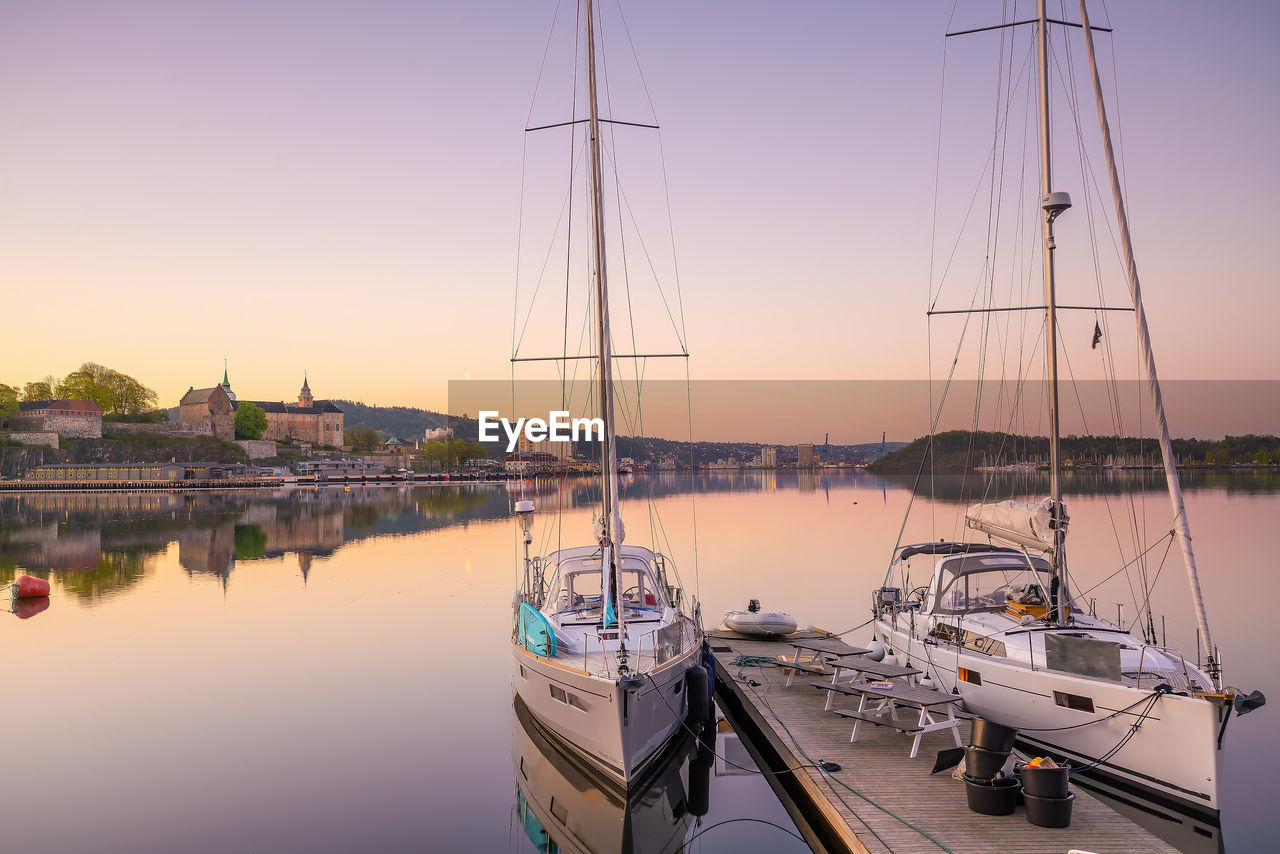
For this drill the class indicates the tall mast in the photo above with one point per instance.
(1181, 529)
(1052, 205)
(611, 533)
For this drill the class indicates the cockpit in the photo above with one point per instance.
(574, 595)
(991, 582)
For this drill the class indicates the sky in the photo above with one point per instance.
(346, 189)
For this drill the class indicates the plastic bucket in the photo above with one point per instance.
(993, 737)
(991, 797)
(1049, 812)
(983, 764)
(1046, 782)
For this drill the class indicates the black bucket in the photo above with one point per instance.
(1049, 812)
(983, 764)
(992, 737)
(1046, 782)
(991, 797)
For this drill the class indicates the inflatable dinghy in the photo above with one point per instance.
(753, 621)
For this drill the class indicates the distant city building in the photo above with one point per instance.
(438, 434)
(559, 450)
(532, 462)
(209, 406)
(768, 457)
(806, 458)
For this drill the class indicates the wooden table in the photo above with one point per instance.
(821, 650)
(862, 668)
(927, 700)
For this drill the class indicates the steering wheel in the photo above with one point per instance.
(630, 590)
(921, 590)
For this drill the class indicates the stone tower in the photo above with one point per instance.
(304, 396)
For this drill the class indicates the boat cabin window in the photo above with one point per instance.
(990, 583)
(575, 591)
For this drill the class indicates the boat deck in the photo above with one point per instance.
(786, 727)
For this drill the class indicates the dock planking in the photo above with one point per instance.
(789, 725)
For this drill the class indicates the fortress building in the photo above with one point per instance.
(318, 422)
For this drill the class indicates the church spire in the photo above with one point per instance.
(304, 397)
(226, 383)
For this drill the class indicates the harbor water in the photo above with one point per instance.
(328, 669)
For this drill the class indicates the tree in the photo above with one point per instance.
(40, 390)
(116, 393)
(361, 439)
(251, 421)
(8, 401)
(1263, 457)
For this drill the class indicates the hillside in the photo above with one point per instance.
(403, 422)
(961, 450)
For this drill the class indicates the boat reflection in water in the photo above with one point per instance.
(564, 804)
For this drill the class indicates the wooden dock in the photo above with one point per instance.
(884, 793)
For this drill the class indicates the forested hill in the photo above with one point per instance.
(958, 450)
(404, 422)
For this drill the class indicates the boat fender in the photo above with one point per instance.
(699, 703)
(876, 651)
(709, 662)
(699, 800)
(27, 587)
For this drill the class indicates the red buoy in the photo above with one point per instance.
(30, 588)
(28, 608)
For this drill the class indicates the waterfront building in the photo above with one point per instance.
(108, 472)
(806, 459)
(532, 462)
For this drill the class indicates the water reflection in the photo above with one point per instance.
(99, 544)
(561, 805)
(954, 487)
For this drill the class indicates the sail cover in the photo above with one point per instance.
(1028, 525)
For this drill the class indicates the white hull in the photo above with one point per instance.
(561, 801)
(1173, 758)
(621, 731)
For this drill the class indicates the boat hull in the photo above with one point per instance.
(621, 730)
(1173, 758)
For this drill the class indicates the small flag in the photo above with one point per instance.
(1097, 335)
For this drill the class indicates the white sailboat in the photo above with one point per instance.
(606, 645)
(998, 624)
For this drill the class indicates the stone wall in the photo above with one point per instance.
(47, 439)
(224, 426)
(164, 428)
(71, 426)
(258, 449)
(74, 428)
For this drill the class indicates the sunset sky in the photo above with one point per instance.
(336, 186)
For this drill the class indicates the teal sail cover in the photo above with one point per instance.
(535, 631)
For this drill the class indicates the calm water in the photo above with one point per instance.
(325, 670)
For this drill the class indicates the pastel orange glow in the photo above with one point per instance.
(335, 188)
